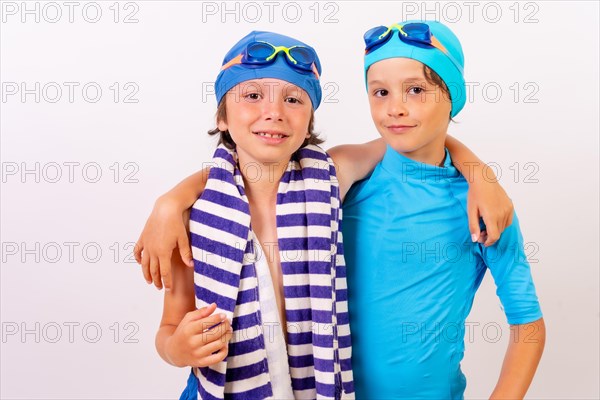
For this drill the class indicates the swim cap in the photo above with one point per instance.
(280, 68)
(448, 65)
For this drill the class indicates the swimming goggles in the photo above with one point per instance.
(263, 53)
(415, 33)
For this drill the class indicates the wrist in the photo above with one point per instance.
(481, 174)
(499, 394)
(167, 202)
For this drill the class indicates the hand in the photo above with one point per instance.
(488, 200)
(194, 344)
(165, 229)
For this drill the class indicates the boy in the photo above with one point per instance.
(413, 269)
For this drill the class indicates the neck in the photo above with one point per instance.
(261, 180)
(435, 159)
(433, 153)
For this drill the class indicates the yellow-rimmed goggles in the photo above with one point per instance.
(263, 53)
(415, 34)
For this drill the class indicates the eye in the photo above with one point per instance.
(254, 96)
(293, 100)
(380, 93)
(416, 90)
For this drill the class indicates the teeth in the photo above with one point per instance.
(269, 135)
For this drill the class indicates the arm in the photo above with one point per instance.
(511, 271)
(183, 338)
(165, 230)
(354, 162)
(486, 198)
(521, 360)
(186, 192)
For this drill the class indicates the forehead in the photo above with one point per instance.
(397, 68)
(267, 84)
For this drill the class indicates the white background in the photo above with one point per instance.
(533, 69)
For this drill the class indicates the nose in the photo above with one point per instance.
(273, 109)
(396, 107)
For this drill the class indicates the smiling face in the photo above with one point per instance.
(410, 113)
(268, 119)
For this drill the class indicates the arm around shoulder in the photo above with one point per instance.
(354, 162)
(165, 230)
(486, 198)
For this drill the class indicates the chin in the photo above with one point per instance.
(268, 157)
(400, 144)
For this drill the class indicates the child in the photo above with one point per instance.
(412, 268)
(269, 182)
(284, 211)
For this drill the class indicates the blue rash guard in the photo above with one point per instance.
(412, 276)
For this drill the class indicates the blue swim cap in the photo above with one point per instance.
(448, 66)
(278, 69)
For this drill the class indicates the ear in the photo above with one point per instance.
(222, 125)
(308, 135)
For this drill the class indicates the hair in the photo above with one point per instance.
(225, 136)
(432, 77)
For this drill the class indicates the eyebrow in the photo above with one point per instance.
(292, 87)
(407, 80)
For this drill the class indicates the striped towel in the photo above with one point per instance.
(314, 279)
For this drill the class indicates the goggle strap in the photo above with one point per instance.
(315, 71)
(438, 45)
(232, 62)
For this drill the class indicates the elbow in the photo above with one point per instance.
(542, 333)
(534, 334)
(530, 335)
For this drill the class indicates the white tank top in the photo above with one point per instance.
(277, 356)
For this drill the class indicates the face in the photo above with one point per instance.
(411, 114)
(268, 120)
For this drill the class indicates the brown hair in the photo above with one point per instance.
(225, 136)
(432, 77)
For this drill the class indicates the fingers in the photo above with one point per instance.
(509, 218)
(146, 267)
(473, 215)
(506, 218)
(200, 312)
(216, 357)
(482, 237)
(212, 335)
(206, 311)
(216, 333)
(185, 249)
(497, 221)
(214, 325)
(165, 272)
(493, 234)
(216, 351)
(209, 348)
(137, 252)
(155, 272)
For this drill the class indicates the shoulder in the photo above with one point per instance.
(357, 190)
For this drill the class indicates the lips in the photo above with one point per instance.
(271, 137)
(271, 134)
(399, 128)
